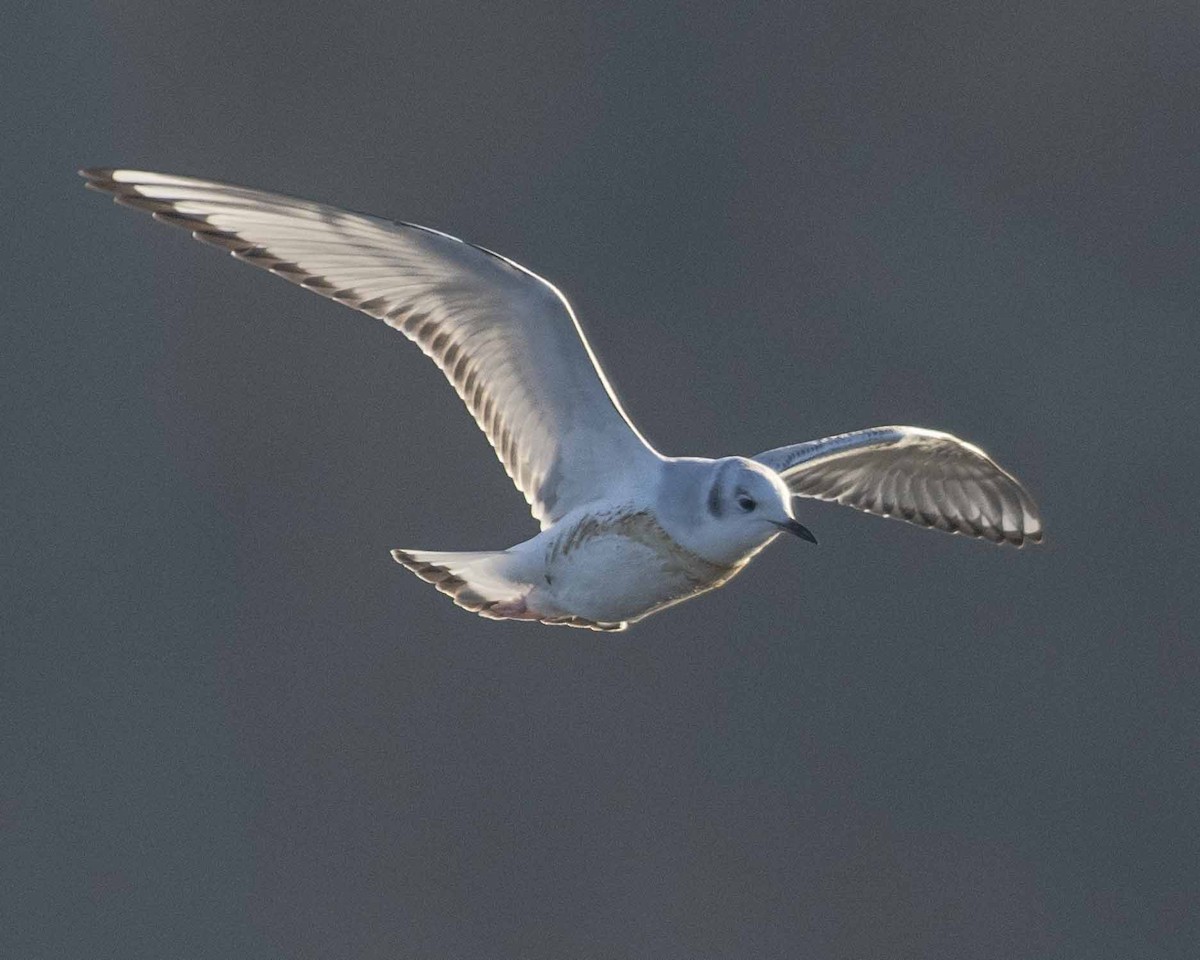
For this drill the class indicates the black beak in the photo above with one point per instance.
(799, 529)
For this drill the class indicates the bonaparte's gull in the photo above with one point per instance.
(626, 532)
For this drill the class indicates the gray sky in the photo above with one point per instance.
(233, 727)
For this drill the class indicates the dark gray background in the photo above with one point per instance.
(234, 728)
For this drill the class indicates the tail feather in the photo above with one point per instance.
(480, 583)
(469, 578)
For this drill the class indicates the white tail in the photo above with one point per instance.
(483, 583)
(474, 580)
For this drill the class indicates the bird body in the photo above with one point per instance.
(612, 562)
(626, 532)
(602, 568)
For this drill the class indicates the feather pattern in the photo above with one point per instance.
(925, 477)
(506, 339)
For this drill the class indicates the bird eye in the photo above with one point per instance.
(746, 503)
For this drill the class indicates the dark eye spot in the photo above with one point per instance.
(746, 503)
(714, 499)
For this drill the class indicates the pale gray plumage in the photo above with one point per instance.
(625, 531)
(926, 477)
(505, 338)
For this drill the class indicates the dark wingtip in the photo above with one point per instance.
(101, 180)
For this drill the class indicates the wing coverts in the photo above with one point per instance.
(506, 339)
(925, 477)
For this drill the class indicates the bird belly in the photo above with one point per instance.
(621, 568)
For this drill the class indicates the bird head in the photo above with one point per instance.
(746, 505)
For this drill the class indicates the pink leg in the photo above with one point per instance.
(511, 610)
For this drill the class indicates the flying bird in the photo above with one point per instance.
(625, 531)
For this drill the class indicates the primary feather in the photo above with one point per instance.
(506, 339)
(926, 477)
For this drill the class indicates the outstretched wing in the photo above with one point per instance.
(506, 339)
(925, 477)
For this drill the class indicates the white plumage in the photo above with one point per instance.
(625, 531)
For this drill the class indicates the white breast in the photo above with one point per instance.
(621, 565)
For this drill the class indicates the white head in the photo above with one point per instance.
(738, 506)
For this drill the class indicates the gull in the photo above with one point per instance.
(625, 531)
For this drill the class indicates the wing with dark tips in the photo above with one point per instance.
(928, 478)
(506, 339)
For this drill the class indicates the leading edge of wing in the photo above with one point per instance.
(540, 399)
